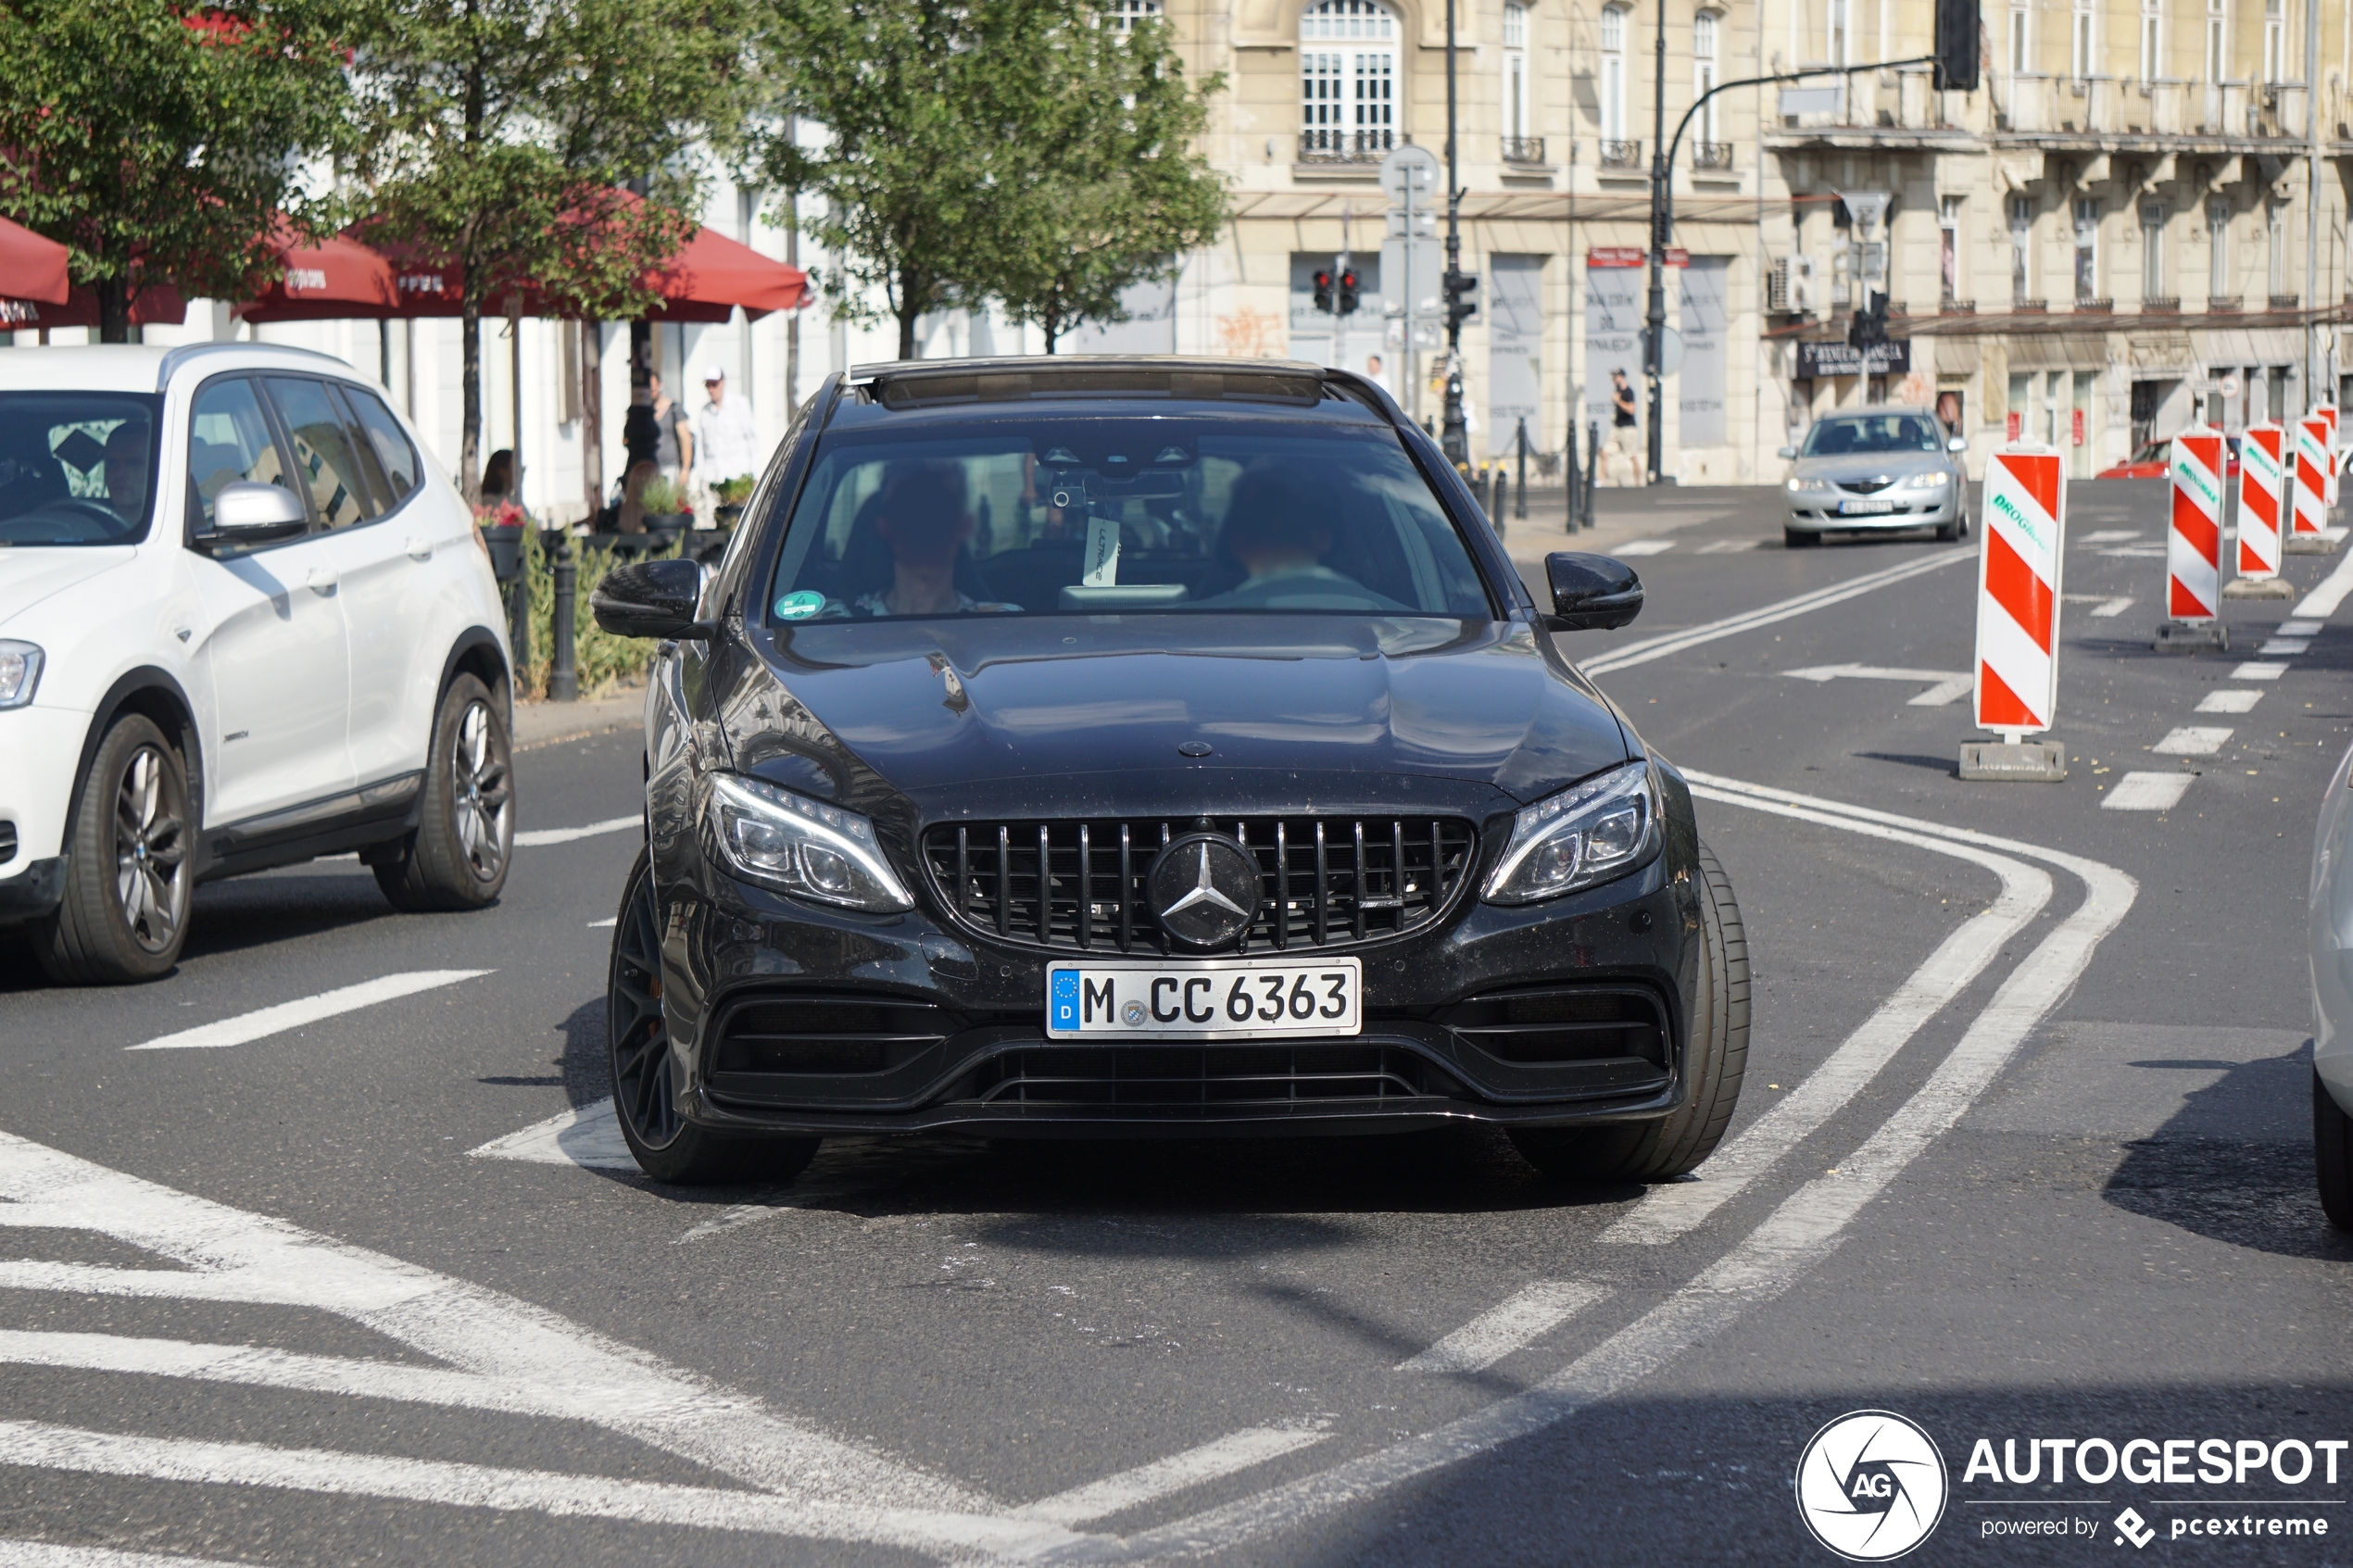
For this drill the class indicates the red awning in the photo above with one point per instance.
(337, 279)
(32, 267)
(158, 305)
(713, 274)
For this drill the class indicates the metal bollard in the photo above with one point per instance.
(1593, 465)
(1519, 505)
(563, 681)
(519, 609)
(1568, 476)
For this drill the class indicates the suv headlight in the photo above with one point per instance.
(19, 673)
(1932, 478)
(804, 847)
(1602, 829)
(1799, 487)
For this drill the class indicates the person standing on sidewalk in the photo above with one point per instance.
(1625, 434)
(726, 437)
(675, 459)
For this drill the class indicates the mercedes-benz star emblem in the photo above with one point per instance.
(1204, 888)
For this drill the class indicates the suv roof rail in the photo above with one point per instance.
(915, 383)
(178, 356)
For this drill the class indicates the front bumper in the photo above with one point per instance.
(1815, 512)
(953, 1031)
(40, 748)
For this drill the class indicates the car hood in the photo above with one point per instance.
(1057, 714)
(30, 575)
(1870, 466)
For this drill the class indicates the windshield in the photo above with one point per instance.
(1041, 515)
(1873, 433)
(76, 467)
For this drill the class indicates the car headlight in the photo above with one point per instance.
(1602, 829)
(19, 673)
(804, 847)
(1798, 485)
(1934, 479)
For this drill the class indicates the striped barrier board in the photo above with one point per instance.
(2017, 590)
(2336, 458)
(2193, 543)
(2261, 488)
(2310, 475)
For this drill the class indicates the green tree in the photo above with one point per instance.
(162, 142)
(1116, 192)
(502, 135)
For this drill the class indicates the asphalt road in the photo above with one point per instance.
(2024, 1154)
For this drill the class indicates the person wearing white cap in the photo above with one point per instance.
(727, 441)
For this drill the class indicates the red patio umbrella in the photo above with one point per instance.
(337, 279)
(32, 267)
(712, 273)
(157, 305)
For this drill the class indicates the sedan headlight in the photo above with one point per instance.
(1798, 486)
(19, 673)
(1602, 829)
(804, 847)
(1934, 479)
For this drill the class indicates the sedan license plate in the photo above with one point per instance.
(1863, 508)
(1220, 999)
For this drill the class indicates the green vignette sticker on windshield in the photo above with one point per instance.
(800, 605)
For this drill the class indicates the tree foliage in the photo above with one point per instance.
(159, 141)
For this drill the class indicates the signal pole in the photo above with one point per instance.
(1654, 321)
(1453, 437)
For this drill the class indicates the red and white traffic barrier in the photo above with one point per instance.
(2262, 484)
(2336, 458)
(2193, 543)
(2018, 603)
(2311, 476)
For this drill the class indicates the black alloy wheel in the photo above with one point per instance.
(666, 1146)
(457, 857)
(125, 911)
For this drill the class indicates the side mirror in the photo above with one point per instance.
(249, 513)
(1786, 452)
(1958, 443)
(653, 598)
(1592, 592)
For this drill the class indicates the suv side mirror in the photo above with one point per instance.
(1958, 443)
(1592, 592)
(1786, 452)
(653, 598)
(250, 513)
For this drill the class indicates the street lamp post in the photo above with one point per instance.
(1654, 319)
(1454, 435)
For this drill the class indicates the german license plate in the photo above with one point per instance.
(1863, 508)
(1216, 999)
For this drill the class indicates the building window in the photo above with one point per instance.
(2021, 40)
(1948, 241)
(2152, 41)
(2218, 250)
(1125, 14)
(1613, 73)
(2152, 251)
(1704, 28)
(2218, 40)
(2021, 245)
(1515, 116)
(2087, 249)
(1348, 75)
(2274, 42)
(1837, 32)
(2275, 244)
(2079, 41)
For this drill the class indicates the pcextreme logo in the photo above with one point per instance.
(1871, 1486)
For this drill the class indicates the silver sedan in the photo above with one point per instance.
(2330, 939)
(1871, 470)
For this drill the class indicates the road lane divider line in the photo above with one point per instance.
(586, 1135)
(2193, 740)
(605, 924)
(2227, 702)
(2107, 609)
(248, 1027)
(1943, 685)
(55, 1554)
(2324, 598)
(2146, 792)
(1524, 1316)
(1672, 1210)
(1642, 547)
(1644, 651)
(2260, 669)
(1801, 1231)
(1214, 1461)
(2285, 645)
(538, 836)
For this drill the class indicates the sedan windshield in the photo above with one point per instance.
(1031, 515)
(76, 467)
(1873, 433)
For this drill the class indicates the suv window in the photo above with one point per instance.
(76, 467)
(395, 459)
(229, 441)
(1872, 434)
(1169, 512)
(322, 451)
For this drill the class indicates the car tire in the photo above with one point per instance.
(667, 1146)
(1799, 538)
(1673, 1144)
(456, 858)
(2333, 1155)
(128, 880)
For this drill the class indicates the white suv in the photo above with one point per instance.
(244, 621)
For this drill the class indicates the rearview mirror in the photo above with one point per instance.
(1592, 592)
(653, 598)
(1958, 443)
(250, 513)
(1787, 452)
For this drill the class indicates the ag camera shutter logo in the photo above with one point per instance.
(1871, 1486)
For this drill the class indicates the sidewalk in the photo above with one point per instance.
(1621, 514)
(546, 724)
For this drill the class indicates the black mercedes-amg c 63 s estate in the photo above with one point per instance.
(1149, 747)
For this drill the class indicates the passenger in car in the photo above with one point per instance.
(126, 471)
(923, 517)
(1279, 529)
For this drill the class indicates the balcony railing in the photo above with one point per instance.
(1956, 308)
(1621, 155)
(2104, 106)
(2287, 301)
(1327, 144)
(2029, 306)
(2223, 306)
(1715, 155)
(1524, 149)
(2095, 307)
(2162, 307)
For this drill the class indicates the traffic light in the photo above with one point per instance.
(1957, 45)
(1324, 292)
(1457, 285)
(1866, 329)
(1348, 292)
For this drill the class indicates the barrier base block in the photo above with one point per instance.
(2178, 636)
(2033, 761)
(2325, 543)
(2258, 588)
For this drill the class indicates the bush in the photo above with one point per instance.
(601, 660)
(662, 497)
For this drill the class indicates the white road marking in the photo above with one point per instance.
(2286, 645)
(1673, 1208)
(605, 924)
(538, 836)
(1667, 642)
(2299, 628)
(587, 1134)
(50, 1554)
(1727, 547)
(1524, 1317)
(1802, 1231)
(2146, 792)
(2108, 609)
(2108, 535)
(2257, 669)
(2228, 701)
(2322, 601)
(1228, 1455)
(250, 1026)
(2151, 551)
(2192, 740)
(1943, 685)
(1642, 547)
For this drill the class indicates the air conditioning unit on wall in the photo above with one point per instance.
(1790, 286)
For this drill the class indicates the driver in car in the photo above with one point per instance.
(1279, 527)
(924, 519)
(126, 471)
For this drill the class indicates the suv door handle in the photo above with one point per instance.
(320, 579)
(419, 547)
